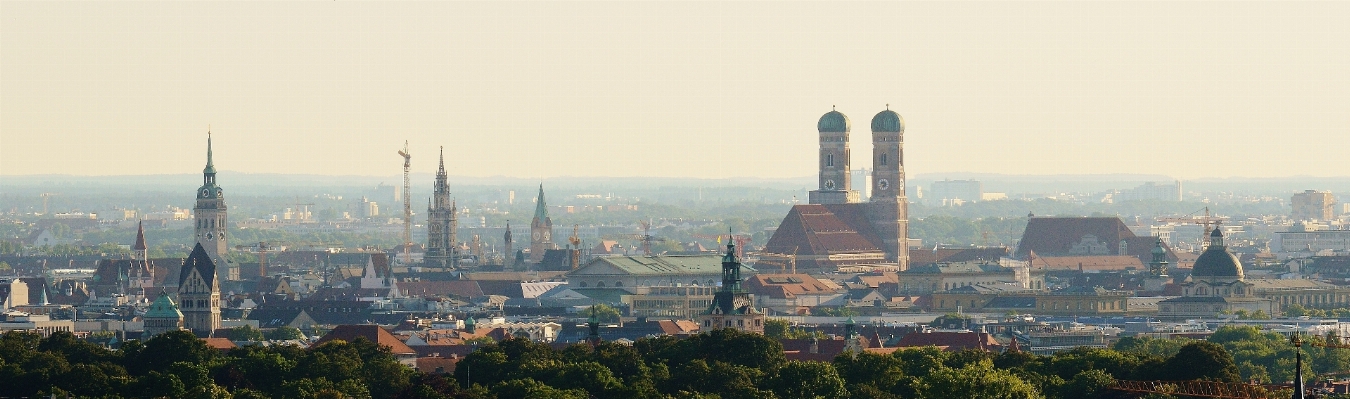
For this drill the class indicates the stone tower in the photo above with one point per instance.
(441, 226)
(732, 307)
(541, 229)
(210, 216)
(199, 293)
(835, 175)
(889, 209)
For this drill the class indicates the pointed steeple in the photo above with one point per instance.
(140, 237)
(507, 237)
(440, 172)
(210, 165)
(540, 206)
(43, 299)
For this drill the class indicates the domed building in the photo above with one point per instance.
(1216, 286)
(163, 316)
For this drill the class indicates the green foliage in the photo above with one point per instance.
(603, 312)
(977, 380)
(716, 364)
(807, 380)
(245, 333)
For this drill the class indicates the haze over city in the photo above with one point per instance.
(702, 90)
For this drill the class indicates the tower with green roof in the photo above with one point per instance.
(211, 215)
(732, 307)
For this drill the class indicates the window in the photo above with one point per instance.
(618, 283)
(583, 284)
(600, 284)
(883, 159)
(829, 159)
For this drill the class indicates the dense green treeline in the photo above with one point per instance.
(719, 364)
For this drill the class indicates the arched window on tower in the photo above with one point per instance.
(829, 159)
(883, 159)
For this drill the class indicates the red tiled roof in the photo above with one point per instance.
(223, 344)
(926, 256)
(785, 285)
(1056, 235)
(371, 332)
(431, 364)
(820, 230)
(457, 288)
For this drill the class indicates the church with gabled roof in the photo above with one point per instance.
(838, 229)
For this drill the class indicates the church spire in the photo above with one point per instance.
(541, 207)
(138, 249)
(441, 171)
(210, 165)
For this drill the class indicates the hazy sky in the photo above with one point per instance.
(701, 89)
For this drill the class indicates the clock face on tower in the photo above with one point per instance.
(537, 236)
(547, 236)
(829, 184)
(883, 184)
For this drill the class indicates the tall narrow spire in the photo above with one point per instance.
(210, 165)
(541, 207)
(441, 170)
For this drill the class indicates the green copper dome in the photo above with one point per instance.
(1216, 261)
(163, 308)
(833, 122)
(888, 121)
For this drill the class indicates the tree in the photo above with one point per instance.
(1087, 384)
(775, 328)
(530, 389)
(245, 333)
(979, 380)
(168, 348)
(807, 380)
(604, 313)
(1203, 360)
(879, 371)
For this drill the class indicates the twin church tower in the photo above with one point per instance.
(837, 228)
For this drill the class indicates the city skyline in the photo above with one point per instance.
(1189, 90)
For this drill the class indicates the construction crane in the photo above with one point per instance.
(262, 248)
(1210, 223)
(407, 203)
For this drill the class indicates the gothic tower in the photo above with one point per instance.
(541, 229)
(835, 175)
(210, 215)
(889, 209)
(199, 292)
(441, 243)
